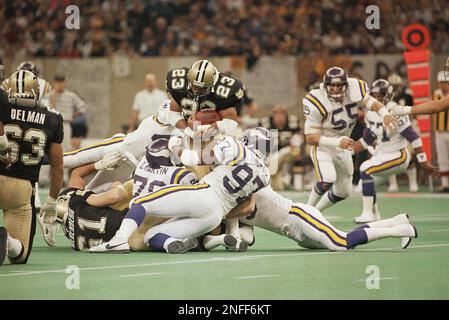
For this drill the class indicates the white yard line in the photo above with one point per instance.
(141, 274)
(384, 278)
(220, 259)
(258, 276)
(439, 230)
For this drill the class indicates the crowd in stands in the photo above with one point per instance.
(214, 27)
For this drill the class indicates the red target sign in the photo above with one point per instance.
(415, 37)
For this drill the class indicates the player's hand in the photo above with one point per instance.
(190, 158)
(430, 169)
(347, 143)
(358, 147)
(389, 122)
(110, 161)
(48, 210)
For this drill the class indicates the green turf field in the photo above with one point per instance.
(274, 268)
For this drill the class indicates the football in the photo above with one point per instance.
(207, 116)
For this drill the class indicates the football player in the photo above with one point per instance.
(199, 208)
(44, 85)
(202, 87)
(391, 155)
(33, 130)
(3, 108)
(331, 113)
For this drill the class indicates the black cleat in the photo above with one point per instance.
(235, 244)
(182, 246)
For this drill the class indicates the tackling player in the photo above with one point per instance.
(199, 208)
(391, 155)
(33, 130)
(331, 113)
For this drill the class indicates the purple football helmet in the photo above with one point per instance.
(336, 83)
(157, 154)
(382, 90)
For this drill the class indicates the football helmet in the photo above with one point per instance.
(382, 91)
(28, 66)
(158, 154)
(257, 140)
(201, 78)
(336, 83)
(162, 113)
(23, 89)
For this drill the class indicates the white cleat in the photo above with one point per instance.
(365, 217)
(401, 218)
(405, 241)
(182, 246)
(48, 230)
(235, 244)
(115, 245)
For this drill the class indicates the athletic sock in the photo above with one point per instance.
(328, 200)
(211, 242)
(402, 230)
(412, 178)
(315, 195)
(15, 247)
(158, 241)
(127, 228)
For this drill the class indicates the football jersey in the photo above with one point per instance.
(148, 179)
(30, 132)
(87, 226)
(44, 86)
(227, 92)
(441, 119)
(390, 141)
(335, 119)
(239, 173)
(4, 106)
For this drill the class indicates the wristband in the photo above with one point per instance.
(363, 143)
(421, 157)
(329, 142)
(416, 143)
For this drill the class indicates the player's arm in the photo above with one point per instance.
(116, 194)
(56, 169)
(424, 108)
(243, 209)
(176, 119)
(313, 130)
(78, 174)
(372, 104)
(229, 120)
(415, 141)
(366, 142)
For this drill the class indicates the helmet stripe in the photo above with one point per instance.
(201, 71)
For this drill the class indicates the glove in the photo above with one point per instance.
(48, 210)
(190, 158)
(110, 161)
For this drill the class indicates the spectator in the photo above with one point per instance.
(146, 102)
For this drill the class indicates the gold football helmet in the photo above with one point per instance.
(201, 77)
(23, 89)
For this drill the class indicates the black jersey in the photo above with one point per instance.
(87, 226)
(283, 135)
(30, 132)
(227, 92)
(404, 98)
(4, 106)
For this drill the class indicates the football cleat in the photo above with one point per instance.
(48, 230)
(182, 246)
(405, 241)
(115, 245)
(3, 244)
(234, 244)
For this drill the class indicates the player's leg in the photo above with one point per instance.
(393, 183)
(17, 201)
(380, 166)
(325, 174)
(342, 187)
(93, 152)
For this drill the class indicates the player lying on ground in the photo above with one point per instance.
(199, 208)
(307, 226)
(390, 155)
(94, 218)
(331, 113)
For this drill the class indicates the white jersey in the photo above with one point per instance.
(239, 173)
(147, 179)
(330, 118)
(44, 86)
(388, 141)
(135, 143)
